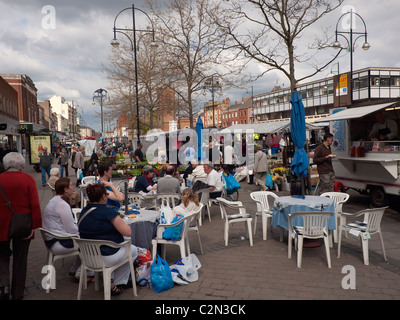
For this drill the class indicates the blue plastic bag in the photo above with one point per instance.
(160, 275)
(268, 181)
(231, 185)
(174, 233)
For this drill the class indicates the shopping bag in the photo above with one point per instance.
(231, 185)
(174, 233)
(144, 255)
(268, 181)
(166, 215)
(185, 271)
(142, 274)
(160, 275)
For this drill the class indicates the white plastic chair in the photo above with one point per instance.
(241, 216)
(182, 242)
(89, 180)
(370, 225)
(135, 198)
(168, 199)
(340, 198)
(75, 213)
(205, 194)
(51, 258)
(194, 226)
(263, 209)
(314, 227)
(93, 260)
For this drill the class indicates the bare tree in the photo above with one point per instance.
(268, 32)
(191, 47)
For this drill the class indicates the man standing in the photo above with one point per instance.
(79, 162)
(139, 153)
(45, 165)
(260, 167)
(323, 159)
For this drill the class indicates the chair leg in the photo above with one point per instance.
(208, 210)
(335, 231)
(339, 241)
(364, 244)
(383, 246)
(133, 279)
(255, 223)
(107, 284)
(250, 233)
(201, 247)
(81, 281)
(154, 251)
(299, 251)
(328, 254)
(226, 233)
(264, 225)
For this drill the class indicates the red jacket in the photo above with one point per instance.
(20, 189)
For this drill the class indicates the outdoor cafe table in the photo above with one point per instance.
(144, 227)
(285, 206)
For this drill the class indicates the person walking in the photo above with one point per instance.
(323, 159)
(79, 162)
(260, 167)
(45, 165)
(64, 156)
(20, 190)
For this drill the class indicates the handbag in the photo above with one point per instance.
(268, 181)
(21, 223)
(160, 275)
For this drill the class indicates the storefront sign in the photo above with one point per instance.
(341, 87)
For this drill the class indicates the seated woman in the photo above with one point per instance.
(190, 203)
(58, 218)
(104, 223)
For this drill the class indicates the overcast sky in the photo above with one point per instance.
(66, 58)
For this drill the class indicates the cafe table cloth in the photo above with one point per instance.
(284, 206)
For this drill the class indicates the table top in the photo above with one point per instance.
(144, 215)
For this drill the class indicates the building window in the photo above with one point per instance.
(395, 81)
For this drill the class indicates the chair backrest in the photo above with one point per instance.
(261, 198)
(373, 218)
(338, 197)
(170, 200)
(205, 195)
(88, 179)
(196, 215)
(135, 198)
(90, 253)
(233, 206)
(313, 222)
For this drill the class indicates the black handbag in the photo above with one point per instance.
(21, 223)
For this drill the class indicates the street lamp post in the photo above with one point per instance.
(212, 85)
(350, 41)
(101, 95)
(115, 44)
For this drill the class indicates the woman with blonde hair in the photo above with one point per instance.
(190, 203)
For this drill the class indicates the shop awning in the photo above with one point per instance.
(354, 113)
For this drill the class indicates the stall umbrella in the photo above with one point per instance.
(300, 161)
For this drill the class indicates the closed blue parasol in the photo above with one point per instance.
(300, 161)
(199, 128)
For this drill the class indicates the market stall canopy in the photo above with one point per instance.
(267, 127)
(354, 113)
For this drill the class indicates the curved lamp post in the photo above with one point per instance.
(101, 95)
(115, 43)
(212, 84)
(348, 36)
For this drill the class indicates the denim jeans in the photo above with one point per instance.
(62, 170)
(44, 171)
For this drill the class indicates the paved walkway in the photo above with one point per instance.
(241, 272)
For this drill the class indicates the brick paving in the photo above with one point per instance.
(241, 272)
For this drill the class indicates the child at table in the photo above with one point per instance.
(190, 203)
